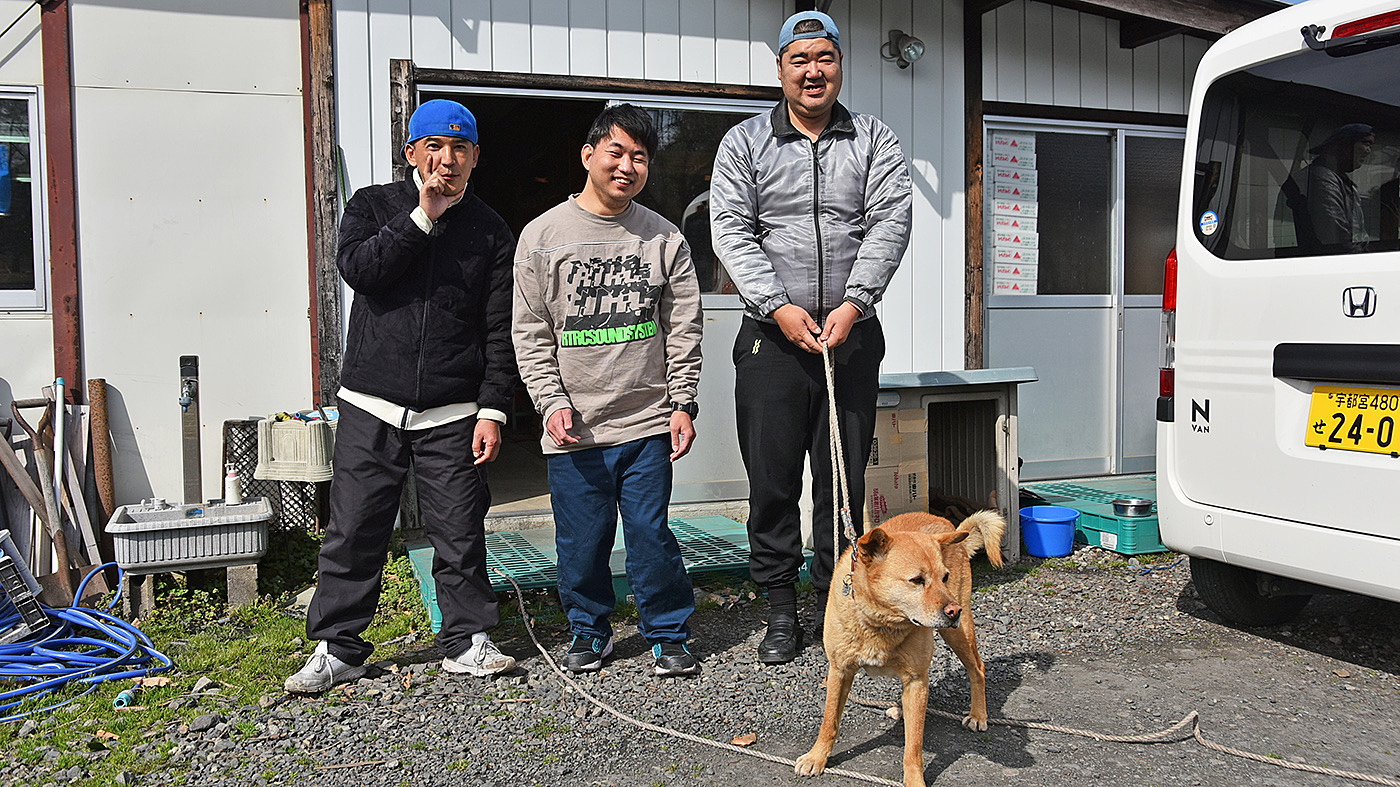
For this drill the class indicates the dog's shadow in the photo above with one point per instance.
(945, 739)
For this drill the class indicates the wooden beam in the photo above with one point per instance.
(402, 101)
(494, 79)
(979, 7)
(973, 278)
(1118, 117)
(1135, 32)
(1211, 18)
(323, 195)
(57, 46)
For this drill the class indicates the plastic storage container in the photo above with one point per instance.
(154, 535)
(1048, 530)
(296, 450)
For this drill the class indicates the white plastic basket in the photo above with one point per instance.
(155, 536)
(295, 450)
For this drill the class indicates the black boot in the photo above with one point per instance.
(784, 637)
(783, 640)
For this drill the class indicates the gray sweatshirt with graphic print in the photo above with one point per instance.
(607, 321)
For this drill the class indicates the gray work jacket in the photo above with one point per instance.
(810, 223)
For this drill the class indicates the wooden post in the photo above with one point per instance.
(973, 357)
(402, 102)
(323, 198)
(63, 197)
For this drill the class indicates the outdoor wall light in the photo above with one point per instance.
(902, 48)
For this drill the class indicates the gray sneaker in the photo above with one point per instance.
(482, 658)
(322, 671)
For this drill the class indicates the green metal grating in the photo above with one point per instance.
(512, 554)
(1099, 490)
(707, 543)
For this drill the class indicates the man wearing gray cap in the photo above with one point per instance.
(1334, 220)
(810, 214)
(428, 374)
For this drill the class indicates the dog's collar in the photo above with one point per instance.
(847, 589)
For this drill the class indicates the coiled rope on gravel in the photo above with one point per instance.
(529, 629)
(840, 495)
(1170, 735)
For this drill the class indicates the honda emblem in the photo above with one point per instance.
(1358, 301)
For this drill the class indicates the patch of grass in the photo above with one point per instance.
(547, 726)
(248, 651)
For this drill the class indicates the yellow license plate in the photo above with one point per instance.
(1354, 419)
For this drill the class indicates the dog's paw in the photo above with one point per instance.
(975, 724)
(809, 764)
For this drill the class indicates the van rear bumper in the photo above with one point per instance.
(1327, 556)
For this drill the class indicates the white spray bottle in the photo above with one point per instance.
(233, 487)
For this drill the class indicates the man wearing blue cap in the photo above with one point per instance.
(810, 214)
(428, 374)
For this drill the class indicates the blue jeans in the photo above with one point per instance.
(589, 488)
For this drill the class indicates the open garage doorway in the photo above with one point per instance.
(530, 161)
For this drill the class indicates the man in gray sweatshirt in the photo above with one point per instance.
(607, 328)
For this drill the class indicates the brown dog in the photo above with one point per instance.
(910, 576)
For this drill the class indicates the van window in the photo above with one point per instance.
(1301, 156)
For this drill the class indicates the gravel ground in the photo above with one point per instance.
(1086, 642)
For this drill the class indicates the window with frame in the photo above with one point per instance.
(1300, 156)
(22, 283)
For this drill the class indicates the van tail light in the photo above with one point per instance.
(1367, 25)
(1166, 377)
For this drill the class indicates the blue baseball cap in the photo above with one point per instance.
(441, 118)
(824, 27)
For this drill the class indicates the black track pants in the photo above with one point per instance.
(781, 403)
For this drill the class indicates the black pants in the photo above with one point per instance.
(371, 461)
(781, 403)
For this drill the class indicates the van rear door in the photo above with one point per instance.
(1287, 346)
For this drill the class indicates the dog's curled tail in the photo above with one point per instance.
(984, 530)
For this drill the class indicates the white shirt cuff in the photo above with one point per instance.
(420, 217)
(491, 415)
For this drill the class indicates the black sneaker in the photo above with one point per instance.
(674, 658)
(586, 654)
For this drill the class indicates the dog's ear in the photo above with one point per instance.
(874, 545)
(949, 539)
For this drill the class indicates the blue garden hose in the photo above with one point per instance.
(86, 646)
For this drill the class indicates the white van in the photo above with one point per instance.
(1278, 442)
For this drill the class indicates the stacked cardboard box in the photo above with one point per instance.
(896, 478)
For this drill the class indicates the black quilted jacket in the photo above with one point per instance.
(430, 323)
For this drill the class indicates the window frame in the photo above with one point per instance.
(1117, 132)
(660, 101)
(35, 299)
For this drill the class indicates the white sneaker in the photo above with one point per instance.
(482, 658)
(321, 672)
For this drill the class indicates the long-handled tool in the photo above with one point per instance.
(43, 455)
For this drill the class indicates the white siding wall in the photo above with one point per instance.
(727, 41)
(26, 338)
(1034, 53)
(192, 221)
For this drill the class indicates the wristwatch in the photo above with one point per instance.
(691, 409)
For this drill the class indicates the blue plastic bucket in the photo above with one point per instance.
(1048, 530)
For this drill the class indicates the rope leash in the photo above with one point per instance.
(1172, 734)
(729, 747)
(840, 495)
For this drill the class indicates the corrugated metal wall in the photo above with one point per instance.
(1038, 54)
